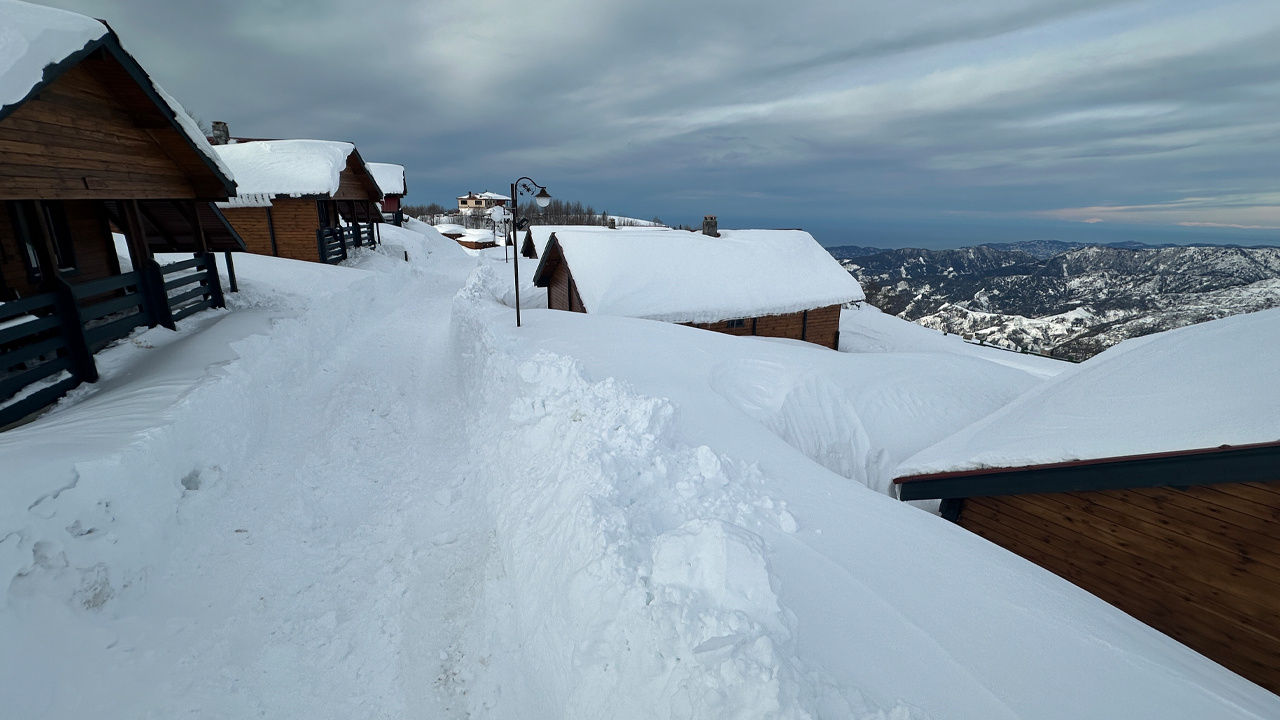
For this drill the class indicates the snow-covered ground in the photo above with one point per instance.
(362, 492)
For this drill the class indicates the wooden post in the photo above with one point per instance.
(216, 298)
(82, 364)
(231, 272)
(150, 279)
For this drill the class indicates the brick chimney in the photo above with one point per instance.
(710, 226)
(221, 134)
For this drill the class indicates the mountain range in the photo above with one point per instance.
(1070, 300)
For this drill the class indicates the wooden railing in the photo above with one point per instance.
(334, 243)
(58, 332)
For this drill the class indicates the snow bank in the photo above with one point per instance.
(390, 178)
(1195, 387)
(690, 277)
(286, 167)
(660, 550)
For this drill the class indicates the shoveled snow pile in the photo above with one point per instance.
(689, 277)
(662, 549)
(1195, 387)
(286, 167)
(390, 177)
(32, 37)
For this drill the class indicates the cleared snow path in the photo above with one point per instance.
(319, 559)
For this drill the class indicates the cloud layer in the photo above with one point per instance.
(882, 122)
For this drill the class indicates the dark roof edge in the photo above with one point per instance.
(1258, 462)
(538, 280)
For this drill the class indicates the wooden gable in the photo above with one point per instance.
(355, 182)
(96, 129)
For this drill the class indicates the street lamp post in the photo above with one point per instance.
(542, 198)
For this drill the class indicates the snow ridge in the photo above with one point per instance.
(625, 565)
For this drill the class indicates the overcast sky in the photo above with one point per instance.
(878, 122)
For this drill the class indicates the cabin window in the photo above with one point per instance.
(730, 324)
(31, 220)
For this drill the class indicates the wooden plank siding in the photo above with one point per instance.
(295, 220)
(1201, 564)
(95, 252)
(253, 225)
(77, 140)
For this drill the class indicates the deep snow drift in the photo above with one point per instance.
(361, 493)
(1201, 386)
(663, 547)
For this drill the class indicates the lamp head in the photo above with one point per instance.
(543, 198)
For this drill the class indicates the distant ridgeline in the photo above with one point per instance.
(1071, 300)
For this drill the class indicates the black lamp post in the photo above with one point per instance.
(543, 199)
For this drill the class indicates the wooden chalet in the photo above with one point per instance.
(391, 180)
(767, 283)
(88, 144)
(301, 199)
(1186, 540)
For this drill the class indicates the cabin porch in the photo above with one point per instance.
(64, 294)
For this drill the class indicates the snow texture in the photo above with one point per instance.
(32, 37)
(689, 277)
(542, 233)
(287, 167)
(660, 550)
(390, 178)
(1195, 387)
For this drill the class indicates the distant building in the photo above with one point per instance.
(768, 283)
(90, 144)
(478, 203)
(302, 199)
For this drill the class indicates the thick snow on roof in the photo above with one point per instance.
(542, 233)
(287, 167)
(32, 37)
(1195, 387)
(689, 277)
(390, 178)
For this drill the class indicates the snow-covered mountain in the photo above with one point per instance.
(1072, 303)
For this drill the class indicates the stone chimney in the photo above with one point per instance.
(221, 134)
(710, 226)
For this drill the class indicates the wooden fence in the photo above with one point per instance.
(47, 341)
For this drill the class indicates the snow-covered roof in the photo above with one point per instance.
(681, 276)
(390, 177)
(486, 195)
(542, 233)
(32, 37)
(1196, 387)
(287, 167)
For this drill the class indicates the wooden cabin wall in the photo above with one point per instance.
(1200, 564)
(350, 187)
(296, 221)
(95, 252)
(562, 292)
(252, 225)
(820, 326)
(76, 141)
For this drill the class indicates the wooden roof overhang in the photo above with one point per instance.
(360, 173)
(526, 248)
(547, 264)
(117, 70)
(181, 226)
(1259, 462)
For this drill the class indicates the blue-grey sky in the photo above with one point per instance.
(880, 122)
